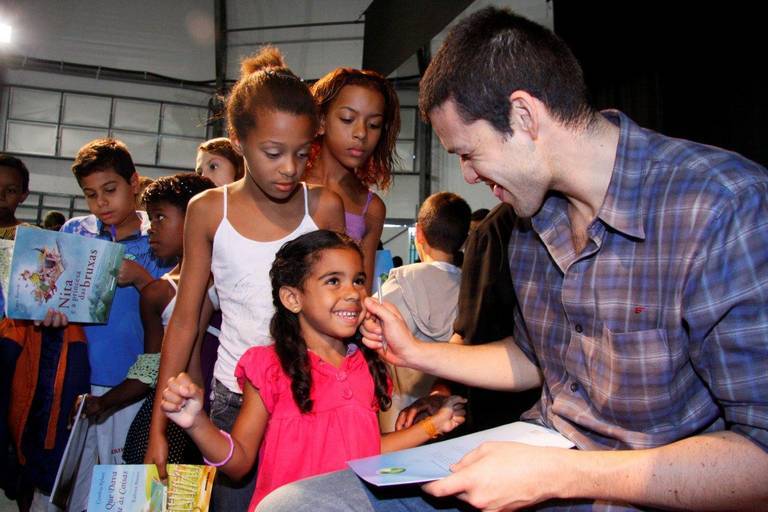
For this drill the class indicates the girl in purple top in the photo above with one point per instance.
(354, 150)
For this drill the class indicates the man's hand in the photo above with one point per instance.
(383, 323)
(504, 476)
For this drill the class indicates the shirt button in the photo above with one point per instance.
(341, 376)
(574, 386)
(346, 394)
(578, 328)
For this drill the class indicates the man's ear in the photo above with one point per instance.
(524, 113)
(290, 298)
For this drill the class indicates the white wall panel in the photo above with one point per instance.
(310, 52)
(32, 105)
(164, 37)
(86, 110)
(72, 139)
(32, 138)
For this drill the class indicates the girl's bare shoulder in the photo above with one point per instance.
(206, 209)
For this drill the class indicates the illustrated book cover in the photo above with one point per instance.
(69, 273)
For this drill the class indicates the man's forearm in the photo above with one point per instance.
(500, 365)
(717, 471)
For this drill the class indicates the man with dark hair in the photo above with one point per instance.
(442, 225)
(640, 271)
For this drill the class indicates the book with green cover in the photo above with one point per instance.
(52, 270)
(138, 488)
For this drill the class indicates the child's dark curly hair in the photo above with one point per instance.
(176, 190)
(292, 265)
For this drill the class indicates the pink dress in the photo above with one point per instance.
(343, 424)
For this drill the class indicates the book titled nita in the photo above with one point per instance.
(69, 273)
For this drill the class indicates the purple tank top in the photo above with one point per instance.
(356, 223)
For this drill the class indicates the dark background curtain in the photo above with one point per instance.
(686, 69)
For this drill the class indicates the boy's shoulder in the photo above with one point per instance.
(87, 225)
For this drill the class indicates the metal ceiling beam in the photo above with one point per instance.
(296, 25)
(220, 41)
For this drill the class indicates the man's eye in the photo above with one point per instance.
(346, 120)
(332, 281)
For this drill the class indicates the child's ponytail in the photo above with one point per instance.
(266, 84)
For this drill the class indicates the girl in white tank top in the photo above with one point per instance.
(240, 269)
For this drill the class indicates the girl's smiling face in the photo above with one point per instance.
(330, 301)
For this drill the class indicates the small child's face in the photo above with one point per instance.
(166, 232)
(109, 196)
(353, 125)
(11, 191)
(331, 298)
(215, 167)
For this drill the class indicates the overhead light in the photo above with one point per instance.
(5, 33)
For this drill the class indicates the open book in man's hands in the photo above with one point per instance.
(433, 461)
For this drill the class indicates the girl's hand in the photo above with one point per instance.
(157, 454)
(451, 414)
(182, 401)
(418, 410)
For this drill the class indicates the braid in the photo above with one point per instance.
(292, 353)
(380, 377)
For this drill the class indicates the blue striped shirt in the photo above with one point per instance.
(658, 329)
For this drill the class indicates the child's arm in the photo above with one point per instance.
(152, 301)
(182, 329)
(327, 209)
(183, 403)
(374, 225)
(133, 274)
(448, 417)
(194, 368)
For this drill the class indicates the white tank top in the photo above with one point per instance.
(240, 269)
(165, 316)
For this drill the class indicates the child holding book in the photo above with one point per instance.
(310, 401)
(165, 201)
(234, 232)
(105, 171)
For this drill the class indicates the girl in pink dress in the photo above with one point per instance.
(310, 402)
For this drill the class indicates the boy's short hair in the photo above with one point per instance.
(16, 164)
(444, 220)
(54, 218)
(101, 155)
